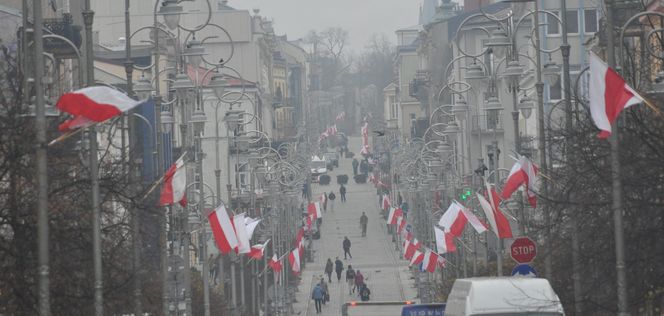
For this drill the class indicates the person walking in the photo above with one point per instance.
(364, 220)
(346, 246)
(331, 197)
(355, 165)
(338, 267)
(328, 269)
(350, 278)
(342, 192)
(364, 293)
(324, 201)
(359, 280)
(317, 295)
(326, 292)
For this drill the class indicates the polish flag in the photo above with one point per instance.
(243, 244)
(394, 214)
(609, 95)
(524, 172)
(314, 210)
(251, 224)
(401, 223)
(299, 241)
(93, 105)
(417, 258)
(308, 222)
(275, 263)
(257, 251)
(444, 241)
(442, 262)
(499, 223)
(222, 229)
(386, 202)
(430, 261)
(410, 249)
(175, 184)
(294, 260)
(455, 218)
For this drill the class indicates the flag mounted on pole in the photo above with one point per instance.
(257, 251)
(430, 261)
(294, 260)
(444, 241)
(499, 223)
(275, 263)
(93, 105)
(175, 183)
(222, 229)
(609, 95)
(524, 172)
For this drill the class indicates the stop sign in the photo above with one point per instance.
(523, 250)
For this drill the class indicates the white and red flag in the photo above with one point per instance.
(309, 222)
(524, 172)
(275, 263)
(257, 251)
(175, 184)
(251, 224)
(401, 224)
(455, 218)
(444, 241)
(93, 105)
(393, 216)
(609, 95)
(222, 229)
(299, 241)
(442, 262)
(412, 246)
(243, 244)
(499, 223)
(430, 261)
(314, 209)
(417, 258)
(294, 260)
(386, 202)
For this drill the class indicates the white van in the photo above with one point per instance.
(503, 296)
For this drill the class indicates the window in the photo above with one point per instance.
(572, 22)
(590, 21)
(393, 108)
(552, 25)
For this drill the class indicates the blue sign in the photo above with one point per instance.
(524, 270)
(423, 309)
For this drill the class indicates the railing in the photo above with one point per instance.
(487, 123)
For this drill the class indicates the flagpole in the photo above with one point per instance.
(616, 182)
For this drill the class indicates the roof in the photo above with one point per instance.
(454, 22)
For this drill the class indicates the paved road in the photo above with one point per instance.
(386, 275)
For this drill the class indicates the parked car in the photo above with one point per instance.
(318, 167)
(332, 158)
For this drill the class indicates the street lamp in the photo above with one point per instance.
(551, 72)
(512, 72)
(198, 120)
(194, 52)
(499, 41)
(171, 12)
(526, 106)
(182, 85)
(143, 88)
(218, 85)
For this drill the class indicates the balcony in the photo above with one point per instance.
(486, 124)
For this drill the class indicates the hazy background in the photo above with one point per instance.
(361, 18)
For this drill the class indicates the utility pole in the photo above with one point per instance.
(88, 16)
(616, 181)
(41, 155)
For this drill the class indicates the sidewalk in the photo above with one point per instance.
(387, 276)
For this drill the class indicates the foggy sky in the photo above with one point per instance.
(361, 18)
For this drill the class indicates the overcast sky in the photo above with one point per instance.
(361, 18)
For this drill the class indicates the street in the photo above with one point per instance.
(375, 256)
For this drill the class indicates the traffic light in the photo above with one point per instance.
(465, 194)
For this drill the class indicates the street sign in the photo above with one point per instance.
(523, 250)
(524, 270)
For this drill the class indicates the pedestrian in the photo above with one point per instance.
(324, 198)
(317, 295)
(338, 267)
(328, 269)
(364, 292)
(355, 165)
(331, 197)
(364, 220)
(350, 278)
(346, 246)
(359, 280)
(342, 192)
(399, 198)
(326, 293)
